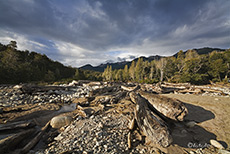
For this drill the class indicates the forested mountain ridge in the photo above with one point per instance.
(183, 67)
(121, 65)
(23, 66)
(198, 66)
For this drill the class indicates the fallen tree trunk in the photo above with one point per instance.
(35, 140)
(130, 88)
(151, 125)
(104, 91)
(16, 125)
(170, 108)
(12, 141)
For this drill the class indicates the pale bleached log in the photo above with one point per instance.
(170, 108)
(129, 140)
(130, 88)
(131, 124)
(151, 125)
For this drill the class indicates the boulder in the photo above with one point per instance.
(60, 121)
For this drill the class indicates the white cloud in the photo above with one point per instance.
(71, 54)
(23, 42)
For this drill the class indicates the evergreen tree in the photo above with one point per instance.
(180, 61)
(170, 68)
(152, 70)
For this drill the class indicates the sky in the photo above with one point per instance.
(80, 32)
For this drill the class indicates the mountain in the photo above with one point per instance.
(121, 65)
(117, 65)
(203, 51)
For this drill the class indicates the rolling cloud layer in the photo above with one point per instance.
(78, 32)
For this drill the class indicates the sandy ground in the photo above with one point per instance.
(212, 115)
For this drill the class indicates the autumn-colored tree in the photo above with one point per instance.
(139, 70)
(126, 73)
(107, 74)
(119, 75)
(132, 71)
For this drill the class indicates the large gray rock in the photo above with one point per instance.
(60, 121)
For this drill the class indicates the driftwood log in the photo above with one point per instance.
(170, 108)
(16, 125)
(13, 140)
(151, 125)
(104, 91)
(35, 140)
(130, 88)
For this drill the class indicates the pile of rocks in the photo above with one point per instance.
(95, 134)
(11, 96)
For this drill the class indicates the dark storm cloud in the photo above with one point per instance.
(95, 28)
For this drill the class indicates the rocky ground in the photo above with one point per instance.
(101, 114)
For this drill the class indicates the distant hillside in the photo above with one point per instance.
(121, 65)
(117, 65)
(23, 66)
(203, 51)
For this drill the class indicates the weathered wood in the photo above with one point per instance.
(151, 125)
(131, 124)
(35, 140)
(191, 91)
(130, 88)
(7, 144)
(170, 108)
(104, 90)
(129, 140)
(117, 96)
(16, 125)
(182, 85)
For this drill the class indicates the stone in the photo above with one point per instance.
(191, 124)
(60, 121)
(216, 144)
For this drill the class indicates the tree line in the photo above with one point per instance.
(23, 66)
(185, 67)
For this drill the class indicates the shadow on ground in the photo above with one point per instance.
(198, 114)
(194, 137)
